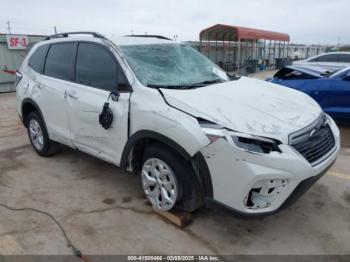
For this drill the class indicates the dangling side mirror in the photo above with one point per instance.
(114, 96)
(347, 77)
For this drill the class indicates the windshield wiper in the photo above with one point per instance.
(188, 86)
(174, 86)
(208, 82)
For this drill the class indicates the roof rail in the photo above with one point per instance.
(66, 34)
(150, 36)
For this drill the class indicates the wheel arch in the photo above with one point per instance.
(28, 106)
(135, 146)
(141, 138)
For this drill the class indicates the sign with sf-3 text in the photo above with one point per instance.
(18, 42)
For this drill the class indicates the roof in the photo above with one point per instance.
(119, 41)
(330, 53)
(336, 53)
(129, 40)
(237, 33)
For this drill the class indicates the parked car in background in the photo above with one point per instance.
(161, 109)
(330, 89)
(330, 61)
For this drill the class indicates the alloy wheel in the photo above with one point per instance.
(159, 184)
(36, 134)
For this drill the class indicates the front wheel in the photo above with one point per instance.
(168, 180)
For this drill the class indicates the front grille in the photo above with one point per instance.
(315, 142)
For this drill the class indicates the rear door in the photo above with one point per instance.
(50, 90)
(97, 73)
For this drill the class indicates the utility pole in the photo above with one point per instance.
(8, 26)
(55, 30)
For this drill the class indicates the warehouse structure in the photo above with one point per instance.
(13, 49)
(235, 47)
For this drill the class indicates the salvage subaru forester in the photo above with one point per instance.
(161, 109)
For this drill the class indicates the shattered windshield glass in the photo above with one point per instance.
(172, 66)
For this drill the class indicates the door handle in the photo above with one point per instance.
(72, 94)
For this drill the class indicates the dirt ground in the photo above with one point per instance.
(104, 210)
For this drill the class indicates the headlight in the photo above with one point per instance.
(255, 144)
(246, 142)
(212, 131)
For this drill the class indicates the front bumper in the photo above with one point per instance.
(235, 172)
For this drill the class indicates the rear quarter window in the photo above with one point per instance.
(59, 61)
(37, 59)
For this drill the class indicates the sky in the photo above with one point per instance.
(307, 22)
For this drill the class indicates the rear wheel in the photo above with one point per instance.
(38, 136)
(168, 180)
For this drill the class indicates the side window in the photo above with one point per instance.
(59, 61)
(97, 67)
(344, 58)
(326, 58)
(37, 59)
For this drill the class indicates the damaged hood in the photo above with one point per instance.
(249, 106)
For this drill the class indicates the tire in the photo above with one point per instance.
(185, 191)
(38, 136)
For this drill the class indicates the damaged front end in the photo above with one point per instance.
(257, 175)
(246, 142)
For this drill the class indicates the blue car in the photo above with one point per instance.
(330, 89)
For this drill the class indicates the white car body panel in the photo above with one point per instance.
(47, 92)
(86, 134)
(249, 106)
(149, 112)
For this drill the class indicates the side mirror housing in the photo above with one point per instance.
(114, 96)
(347, 77)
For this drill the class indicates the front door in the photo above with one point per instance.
(97, 74)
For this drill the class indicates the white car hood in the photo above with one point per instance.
(250, 106)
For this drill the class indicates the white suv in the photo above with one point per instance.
(195, 134)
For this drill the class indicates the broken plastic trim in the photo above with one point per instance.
(264, 193)
(213, 131)
(256, 145)
(19, 77)
(249, 143)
